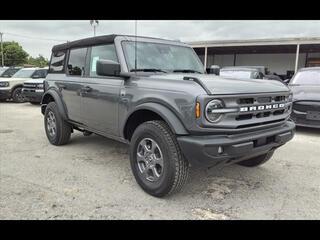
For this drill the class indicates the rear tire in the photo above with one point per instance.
(58, 131)
(17, 95)
(161, 169)
(256, 161)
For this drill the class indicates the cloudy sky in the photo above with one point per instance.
(38, 37)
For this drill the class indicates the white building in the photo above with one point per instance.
(282, 56)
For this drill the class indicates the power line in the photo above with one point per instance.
(46, 39)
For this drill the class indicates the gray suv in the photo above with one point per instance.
(154, 95)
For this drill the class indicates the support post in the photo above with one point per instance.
(297, 58)
(234, 59)
(205, 58)
(2, 55)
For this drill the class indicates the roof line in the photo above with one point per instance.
(259, 41)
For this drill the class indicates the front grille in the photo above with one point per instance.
(30, 85)
(305, 106)
(254, 110)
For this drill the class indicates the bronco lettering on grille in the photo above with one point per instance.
(262, 107)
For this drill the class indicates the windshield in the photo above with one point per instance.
(23, 73)
(307, 78)
(236, 74)
(164, 57)
(2, 70)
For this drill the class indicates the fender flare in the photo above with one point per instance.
(168, 115)
(57, 98)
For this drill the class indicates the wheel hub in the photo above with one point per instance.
(149, 159)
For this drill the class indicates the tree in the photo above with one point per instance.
(14, 55)
(39, 61)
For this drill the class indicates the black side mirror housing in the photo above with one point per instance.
(108, 68)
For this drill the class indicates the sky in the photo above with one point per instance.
(38, 37)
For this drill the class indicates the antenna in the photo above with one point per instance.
(135, 46)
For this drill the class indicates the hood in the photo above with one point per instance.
(305, 92)
(37, 81)
(219, 85)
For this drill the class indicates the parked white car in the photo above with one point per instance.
(11, 88)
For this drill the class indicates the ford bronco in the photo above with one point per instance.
(155, 95)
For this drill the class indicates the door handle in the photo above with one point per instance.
(86, 89)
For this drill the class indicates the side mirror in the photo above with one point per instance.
(36, 76)
(214, 69)
(108, 68)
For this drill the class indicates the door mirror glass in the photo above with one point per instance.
(108, 68)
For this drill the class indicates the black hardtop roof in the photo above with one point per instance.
(105, 39)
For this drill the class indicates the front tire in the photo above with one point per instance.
(17, 95)
(256, 161)
(156, 159)
(58, 131)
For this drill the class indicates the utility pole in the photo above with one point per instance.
(94, 24)
(2, 58)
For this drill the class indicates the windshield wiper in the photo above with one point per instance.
(147, 70)
(186, 71)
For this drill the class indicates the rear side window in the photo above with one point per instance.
(57, 62)
(77, 60)
(107, 52)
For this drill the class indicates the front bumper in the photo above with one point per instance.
(300, 119)
(32, 95)
(203, 151)
(5, 94)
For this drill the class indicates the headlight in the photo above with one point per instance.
(210, 113)
(40, 86)
(4, 84)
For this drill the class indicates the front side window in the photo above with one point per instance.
(77, 60)
(106, 52)
(164, 57)
(24, 73)
(311, 77)
(57, 62)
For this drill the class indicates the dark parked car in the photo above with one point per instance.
(32, 89)
(305, 86)
(154, 95)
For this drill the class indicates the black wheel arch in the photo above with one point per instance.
(53, 95)
(152, 111)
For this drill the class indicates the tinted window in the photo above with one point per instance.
(40, 73)
(77, 60)
(107, 52)
(307, 78)
(57, 62)
(10, 72)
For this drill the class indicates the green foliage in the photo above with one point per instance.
(14, 55)
(39, 61)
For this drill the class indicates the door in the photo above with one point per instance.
(71, 86)
(101, 94)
